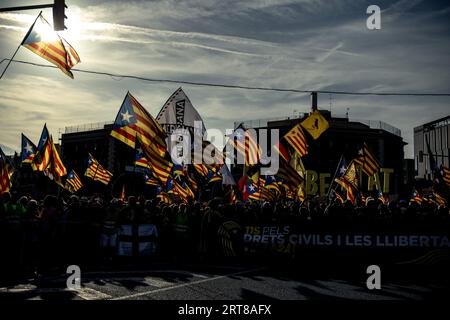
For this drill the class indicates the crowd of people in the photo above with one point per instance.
(38, 236)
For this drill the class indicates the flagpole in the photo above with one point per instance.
(26, 35)
(334, 177)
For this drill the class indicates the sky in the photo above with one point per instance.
(298, 44)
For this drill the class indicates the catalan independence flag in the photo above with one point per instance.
(245, 143)
(161, 166)
(367, 160)
(41, 161)
(296, 138)
(133, 122)
(46, 43)
(96, 172)
(445, 174)
(28, 150)
(73, 182)
(140, 159)
(6, 171)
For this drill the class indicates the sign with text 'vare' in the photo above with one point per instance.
(287, 237)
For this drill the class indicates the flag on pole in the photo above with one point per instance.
(44, 137)
(28, 150)
(178, 112)
(96, 172)
(6, 171)
(445, 174)
(283, 151)
(350, 181)
(315, 124)
(288, 173)
(245, 143)
(161, 166)
(367, 160)
(134, 122)
(42, 158)
(140, 159)
(56, 166)
(46, 43)
(73, 182)
(416, 197)
(296, 138)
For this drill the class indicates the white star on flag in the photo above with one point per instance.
(28, 148)
(126, 116)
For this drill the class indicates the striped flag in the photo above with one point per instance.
(46, 43)
(6, 171)
(288, 173)
(41, 160)
(56, 166)
(161, 166)
(440, 200)
(296, 138)
(140, 159)
(149, 178)
(350, 181)
(28, 150)
(73, 182)
(134, 122)
(283, 151)
(367, 160)
(96, 172)
(416, 197)
(44, 137)
(49, 161)
(445, 174)
(245, 143)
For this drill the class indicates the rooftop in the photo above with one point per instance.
(373, 124)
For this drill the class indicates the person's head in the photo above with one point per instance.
(50, 201)
(6, 197)
(23, 201)
(32, 206)
(74, 201)
(132, 201)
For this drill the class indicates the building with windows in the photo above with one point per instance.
(431, 141)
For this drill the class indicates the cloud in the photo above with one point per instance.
(312, 45)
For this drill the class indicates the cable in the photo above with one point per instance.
(229, 86)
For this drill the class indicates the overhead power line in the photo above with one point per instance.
(229, 86)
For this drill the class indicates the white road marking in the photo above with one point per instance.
(185, 284)
(154, 282)
(198, 275)
(84, 292)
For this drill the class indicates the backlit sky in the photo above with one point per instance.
(302, 44)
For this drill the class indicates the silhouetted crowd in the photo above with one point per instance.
(40, 236)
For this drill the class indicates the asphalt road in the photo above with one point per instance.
(226, 282)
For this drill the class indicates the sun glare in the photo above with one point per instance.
(74, 24)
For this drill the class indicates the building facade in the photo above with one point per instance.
(431, 141)
(344, 138)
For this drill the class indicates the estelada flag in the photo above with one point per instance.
(315, 124)
(46, 43)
